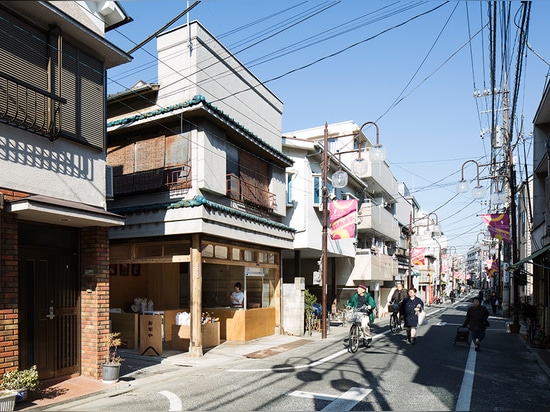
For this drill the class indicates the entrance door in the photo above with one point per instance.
(49, 319)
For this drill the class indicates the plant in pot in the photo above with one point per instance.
(516, 311)
(21, 381)
(110, 370)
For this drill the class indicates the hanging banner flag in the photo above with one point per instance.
(418, 256)
(498, 226)
(343, 215)
(493, 269)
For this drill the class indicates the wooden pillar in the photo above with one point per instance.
(196, 297)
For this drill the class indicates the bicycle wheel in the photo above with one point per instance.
(394, 324)
(354, 334)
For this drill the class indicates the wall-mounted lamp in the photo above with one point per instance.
(463, 186)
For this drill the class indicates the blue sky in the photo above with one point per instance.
(409, 66)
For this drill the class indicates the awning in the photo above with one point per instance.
(529, 258)
(45, 209)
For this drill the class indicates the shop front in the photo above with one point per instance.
(170, 276)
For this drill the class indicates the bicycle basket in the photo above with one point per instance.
(393, 307)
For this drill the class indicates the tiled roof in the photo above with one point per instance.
(201, 201)
(198, 99)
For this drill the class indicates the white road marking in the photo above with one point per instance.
(312, 395)
(465, 395)
(175, 402)
(344, 402)
(348, 400)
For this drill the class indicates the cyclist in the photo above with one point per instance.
(399, 294)
(364, 303)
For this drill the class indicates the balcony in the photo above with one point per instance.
(375, 218)
(29, 108)
(156, 180)
(373, 266)
(248, 193)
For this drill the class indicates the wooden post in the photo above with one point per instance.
(196, 297)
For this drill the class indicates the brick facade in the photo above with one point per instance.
(94, 244)
(9, 341)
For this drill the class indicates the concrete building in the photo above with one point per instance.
(199, 173)
(370, 257)
(54, 224)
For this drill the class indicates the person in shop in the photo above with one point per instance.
(237, 296)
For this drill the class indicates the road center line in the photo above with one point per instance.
(465, 395)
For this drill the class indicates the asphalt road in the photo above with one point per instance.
(390, 375)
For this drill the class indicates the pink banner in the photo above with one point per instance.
(498, 226)
(343, 214)
(418, 256)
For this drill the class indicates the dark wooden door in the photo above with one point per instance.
(50, 333)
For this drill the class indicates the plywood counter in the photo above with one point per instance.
(243, 325)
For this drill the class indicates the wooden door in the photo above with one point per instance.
(49, 312)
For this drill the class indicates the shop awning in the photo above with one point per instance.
(529, 258)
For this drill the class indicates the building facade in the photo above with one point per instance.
(199, 174)
(53, 220)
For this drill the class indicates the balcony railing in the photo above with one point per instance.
(29, 108)
(156, 180)
(247, 193)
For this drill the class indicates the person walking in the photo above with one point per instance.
(476, 321)
(493, 299)
(452, 296)
(363, 302)
(409, 310)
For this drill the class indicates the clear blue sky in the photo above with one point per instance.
(409, 66)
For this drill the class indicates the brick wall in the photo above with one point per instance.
(95, 303)
(9, 342)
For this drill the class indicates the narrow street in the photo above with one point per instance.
(391, 375)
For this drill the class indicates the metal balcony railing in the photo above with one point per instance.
(27, 107)
(166, 179)
(245, 192)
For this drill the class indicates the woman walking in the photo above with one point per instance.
(410, 308)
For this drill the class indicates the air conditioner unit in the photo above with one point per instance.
(109, 190)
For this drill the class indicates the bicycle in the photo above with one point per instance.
(356, 331)
(395, 322)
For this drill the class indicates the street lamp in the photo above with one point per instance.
(359, 167)
(463, 186)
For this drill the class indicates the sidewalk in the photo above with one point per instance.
(137, 369)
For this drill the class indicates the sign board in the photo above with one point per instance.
(150, 335)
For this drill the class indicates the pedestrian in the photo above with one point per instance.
(364, 303)
(476, 321)
(452, 296)
(494, 302)
(410, 308)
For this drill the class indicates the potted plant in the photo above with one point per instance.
(516, 310)
(110, 370)
(21, 381)
(7, 399)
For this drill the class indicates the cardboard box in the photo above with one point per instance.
(181, 336)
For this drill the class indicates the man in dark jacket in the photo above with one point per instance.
(476, 321)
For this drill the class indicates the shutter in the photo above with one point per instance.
(92, 95)
(23, 50)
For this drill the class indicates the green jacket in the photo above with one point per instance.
(354, 301)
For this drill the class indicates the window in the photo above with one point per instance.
(318, 189)
(31, 55)
(289, 184)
